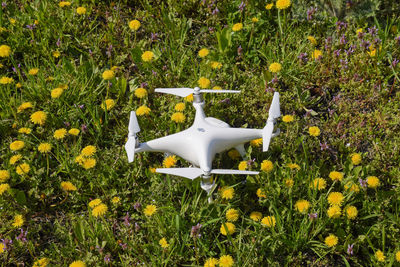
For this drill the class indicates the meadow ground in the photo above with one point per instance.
(328, 190)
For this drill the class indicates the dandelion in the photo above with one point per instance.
(14, 159)
(269, 6)
(314, 131)
(39, 117)
(267, 165)
(64, 4)
(4, 175)
(4, 188)
(275, 67)
(293, 166)
(255, 216)
(356, 158)
(23, 169)
(17, 145)
(318, 183)
(237, 27)
(216, 65)
(331, 240)
(44, 148)
(256, 142)
(68, 186)
(289, 183)
(203, 52)
(149, 210)
(254, 19)
(147, 56)
(180, 107)
(25, 130)
(169, 161)
(88, 163)
(268, 221)
(6, 80)
(312, 40)
(95, 202)
(302, 205)
(336, 176)
(99, 210)
(81, 10)
(204, 82)
(24, 106)
(334, 212)
(242, 165)
(140, 92)
(108, 104)
(43, 262)
(282, 4)
(18, 221)
(232, 215)
(316, 54)
(227, 228)
(380, 256)
(227, 192)
(226, 261)
(143, 110)
(60, 133)
(77, 264)
(373, 181)
(115, 200)
(33, 71)
(5, 51)
(335, 198)
(74, 131)
(178, 117)
(57, 92)
(108, 74)
(261, 193)
(398, 256)
(233, 154)
(288, 118)
(189, 98)
(351, 212)
(211, 262)
(134, 25)
(163, 243)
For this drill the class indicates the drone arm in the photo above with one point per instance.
(200, 115)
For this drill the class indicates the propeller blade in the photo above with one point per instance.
(219, 91)
(267, 134)
(227, 171)
(130, 148)
(133, 124)
(183, 92)
(190, 173)
(274, 110)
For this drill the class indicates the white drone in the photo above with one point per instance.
(206, 137)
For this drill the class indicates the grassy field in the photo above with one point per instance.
(328, 190)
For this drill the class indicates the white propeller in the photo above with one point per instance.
(183, 92)
(193, 173)
(133, 130)
(274, 113)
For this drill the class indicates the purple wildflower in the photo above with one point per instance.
(350, 249)
(242, 6)
(109, 50)
(126, 219)
(395, 62)
(360, 35)
(3, 4)
(195, 232)
(337, 52)
(363, 183)
(154, 37)
(350, 50)
(344, 62)
(137, 206)
(215, 11)
(67, 124)
(313, 216)
(343, 40)
(83, 128)
(373, 31)
(365, 44)
(107, 258)
(154, 73)
(90, 52)
(303, 57)
(22, 235)
(137, 227)
(144, 85)
(341, 25)
(7, 243)
(58, 42)
(274, 80)
(239, 50)
(311, 12)
(123, 245)
(323, 146)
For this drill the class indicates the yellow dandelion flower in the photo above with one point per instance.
(95, 202)
(373, 181)
(115, 200)
(216, 65)
(77, 264)
(99, 210)
(44, 148)
(56, 54)
(398, 256)
(189, 98)
(43, 262)
(227, 192)
(180, 107)
(134, 24)
(336, 176)
(275, 67)
(289, 183)
(81, 10)
(13, 21)
(15, 158)
(18, 85)
(331, 240)
(314, 131)
(282, 4)
(359, 30)
(318, 183)
(380, 256)
(23, 169)
(4, 175)
(143, 110)
(302, 205)
(140, 92)
(217, 88)
(293, 166)
(267, 165)
(152, 169)
(256, 142)
(334, 212)
(232, 215)
(351, 212)
(269, 6)
(312, 40)
(204, 82)
(88, 163)
(210, 262)
(88, 151)
(5, 51)
(316, 54)
(356, 158)
(335, 199)
(6, 80)
(178, 117)
(3, 248)
(147, 56)
(74, 131)
(226, 261)
(233, 154)
(64, 3)
(203, 52)
(108, 104)
(227, 228)
(60, 133)
(4, 188)
(39, 117)
(68, 186)
(163, 243)
(242, 165)
(33, 71)
(17, 145)
(108, 75)
(268, 221)
(254, 19)
(256, 216)
(261, 193)
(149, 210)
(57, 92)
(237, 27)
(170, 161)
(18, 221)
(25, 130)
(288, 118)
(24, 106)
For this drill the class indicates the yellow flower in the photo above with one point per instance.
(359, 30)
(352, 187)
(18, 85)
(33, 71)
(74, 131)
(68, 186)
(203, 52)
(356, 158)
(147, 56)
(44, 148)
(226, 261)
(242, 165)
(60, 133)
(99, 210)
(25, 130)
(318, 183)
(77, 264)
(227, 192)
(4, 188)
(351, 212)
(217, 87)
(314, 131)
(289, 183)
(88, 163)
(13, 21)
(64, 3)
(115, 200)
(56, 54)
(95, 202)
(5, 51)
(24, 106)
(237, 27)
(398, 256)
(81, 10)
(312, 40)
(180, 106)
(178, 117)
(255, 216)
(56, 93)
(335, 198)
(293, 166)
(189, 98)
(334, 212)
(210, 262)
(232, 215)
(150, 210)
(163, 243)
(227, 228)
(275, 67)
(143, 110)
(108, 104)
(288, 118)
(169, 161)
(254, 19)
(268, 221)
(6, 80)
(372, 51)
(331, 240)
(269, 6)
(4, 175)
(39, 117)
(140, 92)
(336, 176)
(134, 25)
(3, 248)
(17, 145)
(18, 221)
(14, 159)
(379, 255)
(316, 54)
(282, 4)
(216, 65)
(233, 154)
(88, 151)
(256, 142)
(152, 169)
(261, 193)
(43, 262)
(23, 169)
(302, 205)
(204, 82)
(108, 74)
(267, 165)
(373, 181)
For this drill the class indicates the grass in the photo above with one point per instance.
(351, 94)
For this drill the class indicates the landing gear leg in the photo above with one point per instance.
(207, 184)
